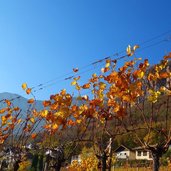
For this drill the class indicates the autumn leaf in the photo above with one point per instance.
(2, 111)
(78, 87)
(164, 75)
(107, 64)
(75, 69)
(19, 121)
(78, 121)
(85, 97)
(73, 83)
(16, 109)
(24, 86)
(46, 103)
(32, 120)
(63, 92)
(8, 102)
(55, 126)
(135, 47)
(129, 51)
(30, 101)
(77, 78)
(5, 129)
(33, 136)
(86, 86)
(28, 91)
(103, 70)
(70, 122)
(44, 113)
(140, 74)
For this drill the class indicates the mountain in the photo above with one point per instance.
(19, 101)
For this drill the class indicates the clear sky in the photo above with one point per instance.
(43, 39)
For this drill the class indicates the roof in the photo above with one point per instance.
(122, 148)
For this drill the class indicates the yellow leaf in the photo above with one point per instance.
(78, 87)
(19, 121)
(78, 121)
(94, 75)
(107, 65)
(32, 120)
(24, 86)
(77, 78)
(135, 47)
(44, 113)
(54, 126)
(102, 85)
(140, 74)
(74, 83)
(128, 50)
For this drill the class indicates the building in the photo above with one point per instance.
(76, 158)
(123, 152)
(138, 153)
(142, 154)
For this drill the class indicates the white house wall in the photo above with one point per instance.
(142, 157)
(123, 154)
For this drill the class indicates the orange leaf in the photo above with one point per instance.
(71, 123)
(103, 70)
(46, 103)
(164, 75)
(28, 91)
(2, 111)
(8, 102)
(16, 109)
(5, 129)
(30, 101)
(55, 126)
(86, 86)
(34, 135)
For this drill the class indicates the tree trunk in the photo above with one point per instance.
(156, 163)
(104, 158)
(16, 165)
(58, 167)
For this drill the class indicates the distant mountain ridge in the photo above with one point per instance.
(21, 102)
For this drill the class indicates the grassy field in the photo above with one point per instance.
(140, 169)
(133, 169)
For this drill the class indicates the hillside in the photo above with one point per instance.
(21, 102)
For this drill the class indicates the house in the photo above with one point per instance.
(123, 152)
(138, 153)
(142, 154)
(76, 158)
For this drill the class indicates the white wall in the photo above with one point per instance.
(123, 154)
(142, 156)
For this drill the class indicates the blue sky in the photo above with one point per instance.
(41, 40)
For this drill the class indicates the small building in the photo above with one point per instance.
(142, 154)
(137, 153)
(76, 158)
(123, 152)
